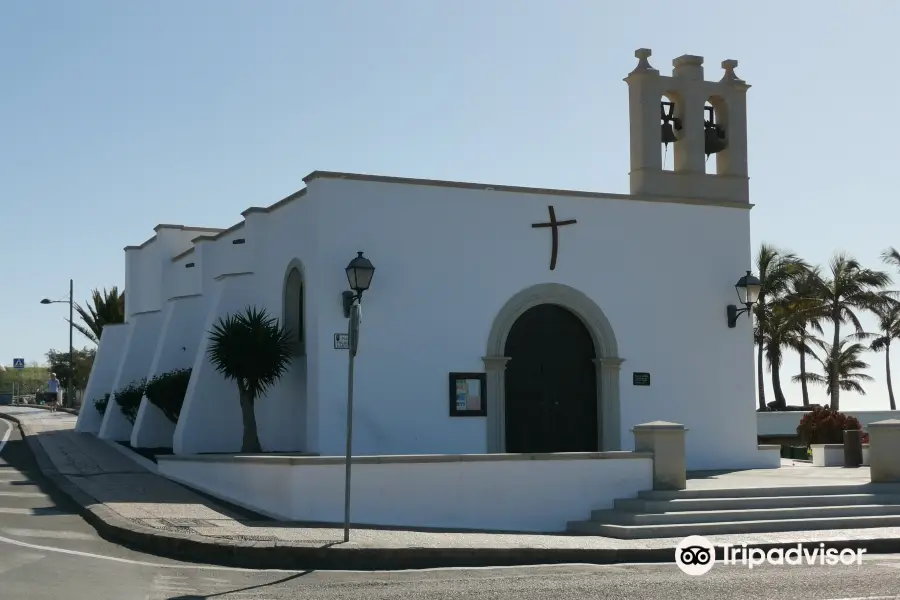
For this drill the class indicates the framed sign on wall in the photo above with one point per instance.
(467, 394)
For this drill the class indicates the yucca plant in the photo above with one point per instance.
(252, 349)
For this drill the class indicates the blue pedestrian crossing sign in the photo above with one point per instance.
(18, 363)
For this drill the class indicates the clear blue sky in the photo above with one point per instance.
(117, 116)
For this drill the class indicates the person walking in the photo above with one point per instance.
(53, 390)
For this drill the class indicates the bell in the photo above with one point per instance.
(670, 123)
(669, 129)
(668, 134)
(716, 139)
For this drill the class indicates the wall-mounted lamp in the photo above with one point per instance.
(748, 288)
(359, 273)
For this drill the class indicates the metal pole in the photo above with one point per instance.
(70, 400)
(354, 333)
(349, 450)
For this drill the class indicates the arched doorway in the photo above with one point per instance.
(607, 363)
(551, 383)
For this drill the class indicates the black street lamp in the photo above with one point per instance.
(359, 274)
(69, 397)
(748, 288)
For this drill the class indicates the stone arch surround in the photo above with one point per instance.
(608, 362)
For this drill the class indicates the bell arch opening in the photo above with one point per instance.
(715, 125)
(607, 362)
(671, 127)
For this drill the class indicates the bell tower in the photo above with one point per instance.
(693, 119)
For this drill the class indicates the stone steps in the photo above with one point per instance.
(639, 505)
(663, 514)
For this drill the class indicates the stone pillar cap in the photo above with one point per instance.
(662, 425)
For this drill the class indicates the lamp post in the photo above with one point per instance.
(359, 274)
(69, 398)
(748, 288)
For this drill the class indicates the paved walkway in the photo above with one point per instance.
(109, 478)
(791, 474)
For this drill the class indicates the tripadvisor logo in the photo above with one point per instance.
(696, 555)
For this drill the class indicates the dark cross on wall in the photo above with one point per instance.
(554, 225)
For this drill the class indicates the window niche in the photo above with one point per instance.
(294, 310)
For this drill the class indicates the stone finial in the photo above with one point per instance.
(643, 66)
(730, 77)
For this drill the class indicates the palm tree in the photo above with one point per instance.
(786, 328)
(106, 308)
(254, 350)
(806, 307)
(848, 287)
(891, 257)
(843, 368)
(780, 333)
(888, 314)
(776, 268)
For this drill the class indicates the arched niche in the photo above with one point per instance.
(294, 313)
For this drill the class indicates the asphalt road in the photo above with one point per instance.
(48, 552)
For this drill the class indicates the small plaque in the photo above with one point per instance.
(640, 378)
(342, 341)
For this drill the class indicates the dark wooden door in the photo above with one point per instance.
(551, 383)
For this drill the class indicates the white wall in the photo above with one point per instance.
(180, 335)
(447, 259)
(139, 348)
(785, 423)
(103, 373)
(501, 492)
(210, 419)
(278, 241)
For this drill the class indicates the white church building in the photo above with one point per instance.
(510, 337)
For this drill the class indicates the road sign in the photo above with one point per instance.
(18, 363)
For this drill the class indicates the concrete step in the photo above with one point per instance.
(682, 530)
(640, 505)
(620, 517)
(797, 490)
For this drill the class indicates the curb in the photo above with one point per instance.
(194, 548)
(71, 411)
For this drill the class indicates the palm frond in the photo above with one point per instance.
(250, 348)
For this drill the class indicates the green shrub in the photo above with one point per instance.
(129, 398)
(823, 425)
(166, 392)
(101, 403)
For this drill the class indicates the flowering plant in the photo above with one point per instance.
(823, 425)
